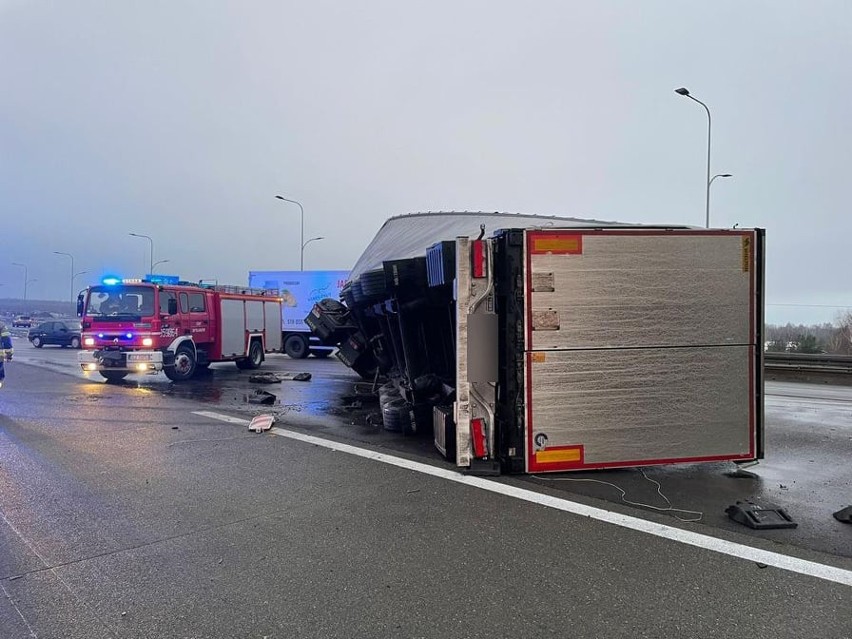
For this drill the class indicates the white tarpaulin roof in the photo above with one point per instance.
(406, 236)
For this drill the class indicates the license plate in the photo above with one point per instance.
(139, 357)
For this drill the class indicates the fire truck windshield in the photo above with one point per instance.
(120, 301)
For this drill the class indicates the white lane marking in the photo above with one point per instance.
(706, 542)
(221, 418)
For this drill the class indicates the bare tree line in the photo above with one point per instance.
(834, 338)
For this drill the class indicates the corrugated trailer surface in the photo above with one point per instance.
(642, 347)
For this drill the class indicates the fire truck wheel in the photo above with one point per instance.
(296, 347)
(113, 376)
(184, 367)
(255, 358)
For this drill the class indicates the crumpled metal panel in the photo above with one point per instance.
(406, 236)
(643, 405)
(644, 290)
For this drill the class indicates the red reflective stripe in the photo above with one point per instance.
(478, 258)
(477, 433)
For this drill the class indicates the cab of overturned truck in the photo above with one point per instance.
(538, 344)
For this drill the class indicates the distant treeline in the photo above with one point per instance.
(25, 307)
(817, 338)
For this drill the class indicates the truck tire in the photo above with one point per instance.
(185, 364)
(254, 359)
(113, 376)
(347, 295)
(296, 347)
(373, 284)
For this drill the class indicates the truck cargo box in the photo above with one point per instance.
(562, 344)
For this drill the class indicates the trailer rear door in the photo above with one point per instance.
(642, 347)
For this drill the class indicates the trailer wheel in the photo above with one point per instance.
(185, 365)
(296, 347)
(373, 284)
(113, 376)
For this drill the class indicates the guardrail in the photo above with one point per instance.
(835, 368)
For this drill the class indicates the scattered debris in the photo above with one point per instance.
(175, 428)
(739, 473)
(261, 397)
(260, 424)
(296, 377)
(760, 565)
(277, 378)
(265, 378)
(761, 516)
(413, 490)
(844, 515)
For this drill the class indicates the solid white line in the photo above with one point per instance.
(221, 418)
(706, 542)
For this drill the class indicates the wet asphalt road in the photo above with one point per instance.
(124, 514)
(807, 467)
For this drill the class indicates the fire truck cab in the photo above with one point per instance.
(144, 326)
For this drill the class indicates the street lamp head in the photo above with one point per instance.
(682, 91)
(726, 175)
(278, 197)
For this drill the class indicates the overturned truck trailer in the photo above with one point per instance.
(536, 344)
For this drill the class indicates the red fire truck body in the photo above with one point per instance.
(141, 326)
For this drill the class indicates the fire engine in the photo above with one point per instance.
(151, 325)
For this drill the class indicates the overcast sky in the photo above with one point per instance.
(183, 120)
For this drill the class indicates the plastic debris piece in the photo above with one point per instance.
(261, 423)
(264, 378)
(760, 516)
(739, 473)
(261, 397)
(844, 515)
(296, 377)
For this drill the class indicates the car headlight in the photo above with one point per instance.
(89, 341)
(147, 341)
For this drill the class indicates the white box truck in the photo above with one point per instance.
(299, 291)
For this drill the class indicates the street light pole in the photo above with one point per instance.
(313, 239)
(302, 238)
(685, 92)
(26, 276)
(72, 270)
(147, 237)
(154, 265)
